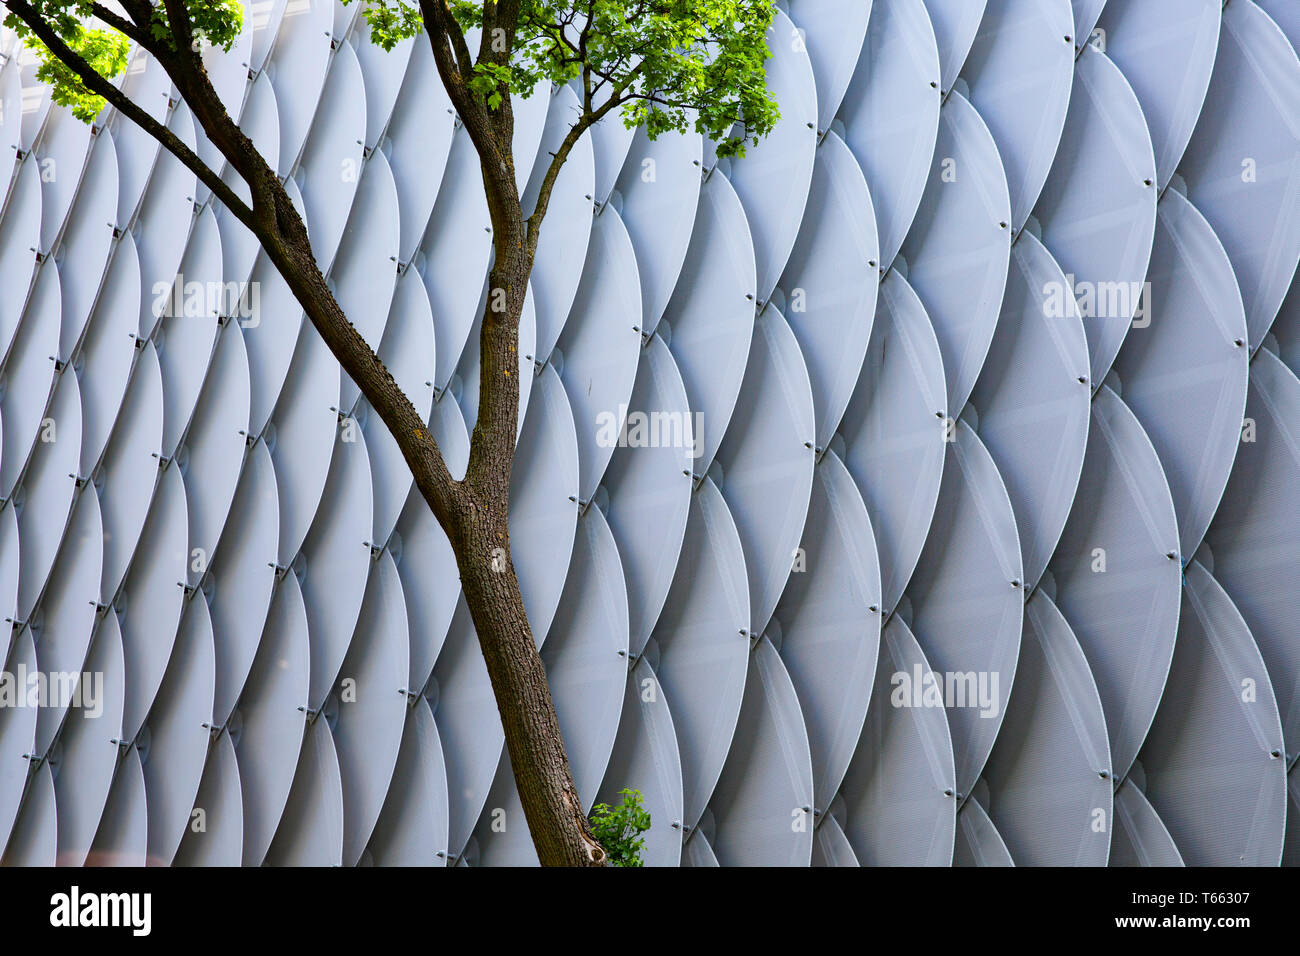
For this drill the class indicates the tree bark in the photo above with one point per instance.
(552, 807)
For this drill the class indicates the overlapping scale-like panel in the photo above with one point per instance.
(920, 488)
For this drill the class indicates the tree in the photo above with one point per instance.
(665, 64)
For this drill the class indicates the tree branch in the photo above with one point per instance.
(97, 84)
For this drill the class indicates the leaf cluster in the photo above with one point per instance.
(619, 828)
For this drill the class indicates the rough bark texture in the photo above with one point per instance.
(541, 768)
(473, 512)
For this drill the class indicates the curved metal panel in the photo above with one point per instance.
(330, 171)
(412, 826)
(1116, 573)
(773, 177)
(767, 459)
(543, 496)
(530, 114)
(21, 227)
(762, 806)
(149, 87)
(830, 282)
(1166, 49)
(1048, 777)
(501, 837)
(610, 141)
(107, 352)
(273, 332)
(891, 115)
(261, 124)
(645, 758)
(1097, 212)
(297, 66)
(61, 153)
(831, 847)
(586, 653)
(1253, 538)
(186, 336)
(1184, 375)
(68, 612)
(335, 562)
(122, 837)
(88, 746)
(241, 582)
(829, 621)
(153, 594)
(600, 347)
(44, 499)
(1018, 75)
(1241, 169)
(267, 725)
(834, 38)
(562, 247)
(1032, 400)
(17, 736)
(701, 645)
(958, 248)
(35, 838)
(900, 787)
(228, 69)
(710, 318)
(36, 107)
(1086, 13)
(407, 351)
(213, 452)
(306, 428)
(311, 830)
(697, 853)
(1140, 836)
(365, 271)
(660, 191)
(456, 249)
(419, 140)
(1213, 759)
(10, 558)
(967, 600)
(978, 842)
(893, 430)
(649, 486)
(166, 213)
(29, 377)
(264, 22)
(83, 250)
(219, 841)
(177, 732)
(11, 119)
(370, 697)
(955, 23)
(384, 71)
(126, 477)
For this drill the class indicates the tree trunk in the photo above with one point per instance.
(547, 792)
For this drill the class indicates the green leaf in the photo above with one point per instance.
(619, 828)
